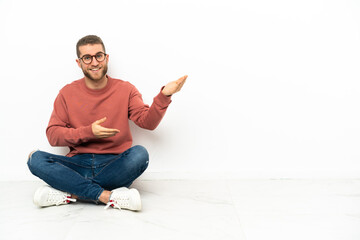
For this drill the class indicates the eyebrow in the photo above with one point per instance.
(90, 54)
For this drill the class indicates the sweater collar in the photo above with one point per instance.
(97, 91)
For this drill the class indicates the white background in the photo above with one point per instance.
(273, 88)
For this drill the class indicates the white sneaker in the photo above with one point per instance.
(47, 196)
(124, 198)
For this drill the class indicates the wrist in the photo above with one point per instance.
(167, 94)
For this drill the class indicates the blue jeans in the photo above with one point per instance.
(88, 175)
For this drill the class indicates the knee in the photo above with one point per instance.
(141, 155)
(31, 157)
(35, 160)
(32, 153)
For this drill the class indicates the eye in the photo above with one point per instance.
(86, 58)
(99, 56)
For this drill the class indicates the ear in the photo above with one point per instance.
(78, 62)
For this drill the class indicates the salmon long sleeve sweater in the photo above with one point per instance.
(76, 107)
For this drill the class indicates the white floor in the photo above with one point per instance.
(225, 209)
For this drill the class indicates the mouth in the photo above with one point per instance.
(95, 70)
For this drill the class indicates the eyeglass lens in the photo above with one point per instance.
(88, 58)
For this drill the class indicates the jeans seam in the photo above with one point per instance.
(62, 160)
(83, 197)
(92, 164)
(105, 167)
(100, 192)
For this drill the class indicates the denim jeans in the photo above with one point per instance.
(88, 175)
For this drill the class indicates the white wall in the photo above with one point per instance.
(273, 88)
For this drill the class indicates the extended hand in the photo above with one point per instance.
(102, 132)
(174, 87)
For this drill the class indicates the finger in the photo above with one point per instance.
(182, 79)
(109, 130)
(180, 86)
(107, 134)
(182, 83)
(112, 129)
(98, 122)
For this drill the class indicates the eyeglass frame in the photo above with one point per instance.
(92, 57)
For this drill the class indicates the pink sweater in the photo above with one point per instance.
(76, 107)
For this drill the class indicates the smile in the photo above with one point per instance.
(95, 69)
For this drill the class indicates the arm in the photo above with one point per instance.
(145, 116)
(59, 131)
(150, 117)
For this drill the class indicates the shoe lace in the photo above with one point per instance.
(120, 201)
(57, 198)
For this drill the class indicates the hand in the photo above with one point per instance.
(174, 87)
(102, 132)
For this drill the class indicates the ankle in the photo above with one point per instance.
(105, 196)
(74, 197)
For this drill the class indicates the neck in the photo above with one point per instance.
(96, 84)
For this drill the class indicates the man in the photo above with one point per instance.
(90, 116)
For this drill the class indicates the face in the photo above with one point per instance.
(95, 71)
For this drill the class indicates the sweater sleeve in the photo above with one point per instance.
(59, 131)
(145, 116)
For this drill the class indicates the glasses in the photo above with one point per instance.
(87, 59)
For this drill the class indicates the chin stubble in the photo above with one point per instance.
(88, 75)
